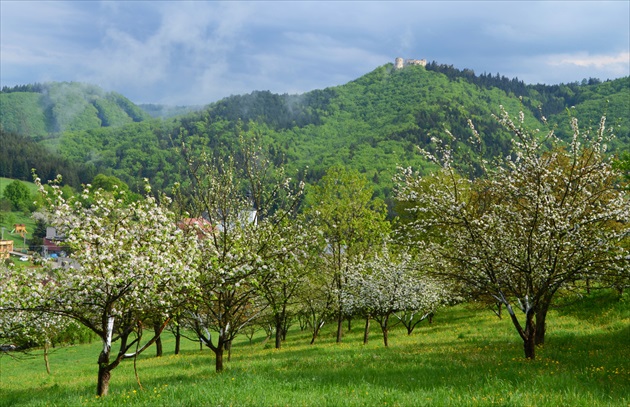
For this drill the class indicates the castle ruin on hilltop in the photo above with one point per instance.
(400, 63)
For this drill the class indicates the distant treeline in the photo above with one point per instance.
(20, 154)
(277, 111)
(549, 99)
(31, 87)
(485, 80)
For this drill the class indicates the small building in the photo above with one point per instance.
(400, 63)
(201, 225)
(51, 246)
(63, 262)
(6, 247)
(51, 233)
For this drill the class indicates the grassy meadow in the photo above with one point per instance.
(467, 357)
(8, 219)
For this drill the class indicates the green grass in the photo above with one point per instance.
(7, 219)
(11, 218)
(6, 181)
(467, 357)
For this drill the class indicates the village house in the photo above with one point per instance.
(6, 247)
(201, 225)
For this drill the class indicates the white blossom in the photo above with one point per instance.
(545, 216)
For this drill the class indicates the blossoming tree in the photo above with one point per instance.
(389, 285)
(131, 263)
(283, 280)
(21, 328)
(544, 217)
(351, 224)
(250, 207)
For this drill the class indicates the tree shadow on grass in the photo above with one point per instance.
(437, 359)
(597, 307)
(53, 395)
(460, 366)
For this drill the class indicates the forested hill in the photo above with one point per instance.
(19, 155)
(372, 123)
(43, 110)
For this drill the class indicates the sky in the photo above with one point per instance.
(197, 52)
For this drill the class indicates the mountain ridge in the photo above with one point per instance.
(372, 123)
(42, 109)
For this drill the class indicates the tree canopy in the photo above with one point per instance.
(129, 262)
(546, 216)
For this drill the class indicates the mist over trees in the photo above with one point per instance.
(371, 124)
(44, 109)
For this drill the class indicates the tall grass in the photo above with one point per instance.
(467, 357)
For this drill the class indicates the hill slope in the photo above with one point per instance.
(20, 154)
(372, 124)
(41, 109)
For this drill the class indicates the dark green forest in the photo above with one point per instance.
(19, 155)
(372, 124)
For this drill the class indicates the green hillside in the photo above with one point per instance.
(21, 113)
(373, 123)
(43, 109)
(20, 154)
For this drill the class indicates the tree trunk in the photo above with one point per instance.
(303, 322)
(157, 328)
(46, 357)
(104, 374)
(316, 332)
(339, 326)
(178, 339)
(349, 324)
(407, 321)
(279, 329)
(285, 326)
(366, 332)
(278, 339)
(528, 335)
(218, 353)
(104, 368)
(529, 342)
(541, 317)
(499, 309)
(385, 328)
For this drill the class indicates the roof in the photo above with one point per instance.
(202, 225)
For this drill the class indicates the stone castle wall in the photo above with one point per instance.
(400, 63)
